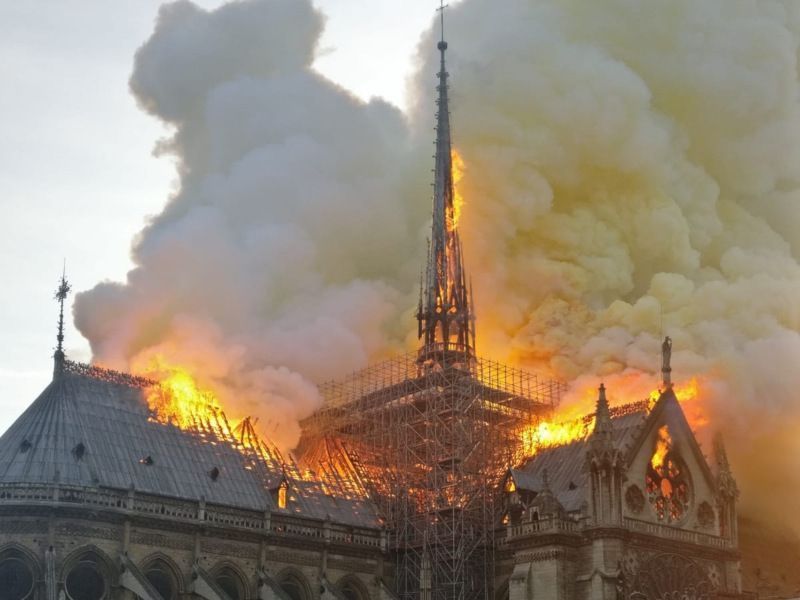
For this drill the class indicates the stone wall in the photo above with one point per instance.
(54, 550)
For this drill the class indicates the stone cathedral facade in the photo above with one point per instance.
(100, 500)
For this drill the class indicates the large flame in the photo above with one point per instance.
(663, 446)
(179, 400)
(569, 426)
(549, 434)
(458, 174)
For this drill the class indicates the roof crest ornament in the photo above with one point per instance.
(666, 367)
(602, 412)
(64, 288)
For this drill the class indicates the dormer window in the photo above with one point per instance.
(78, 451)
(147, 460)
(282, 489)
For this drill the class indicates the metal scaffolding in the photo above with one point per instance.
(429, 442)
(429, 436)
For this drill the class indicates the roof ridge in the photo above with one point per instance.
(107, 375)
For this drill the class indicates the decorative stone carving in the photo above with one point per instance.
(166, 541)
(224, 549)
(705, 515)
(294, 558)
(714, 577)
(634, 498)
(532, 557)
(667, 576)
(73, 530)
(630, 564)
(21, 527)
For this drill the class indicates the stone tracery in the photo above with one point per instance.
(667, 481)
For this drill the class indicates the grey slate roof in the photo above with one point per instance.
(93, 428)
(565, 464)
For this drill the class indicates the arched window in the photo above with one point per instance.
(231, 583)
(352, 588)
(86, 581)
(16, 578)
(162, 577)
(294, 586)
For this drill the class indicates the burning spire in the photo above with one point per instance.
(62, 292)
(446, 323)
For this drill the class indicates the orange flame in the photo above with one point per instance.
(178, 399)
(547, 434)
(570, 428)
(663, 446)
(458, 174)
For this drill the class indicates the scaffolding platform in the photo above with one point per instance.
(429, 442)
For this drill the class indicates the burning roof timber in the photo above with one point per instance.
(93, 428)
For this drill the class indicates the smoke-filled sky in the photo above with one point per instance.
(77, 173)
(632, 170)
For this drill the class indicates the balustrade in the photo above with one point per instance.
(187, 511)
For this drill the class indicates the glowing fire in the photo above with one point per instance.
(569, 428)
(458, 174)
(663, 445)
(178, 399)
(547, 434)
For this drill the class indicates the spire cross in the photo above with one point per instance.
(62, 292)
(440, 10)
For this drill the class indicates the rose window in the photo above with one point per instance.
(667, 481)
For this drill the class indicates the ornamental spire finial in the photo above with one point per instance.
(62, 292)
(602, 412)
(666, 367)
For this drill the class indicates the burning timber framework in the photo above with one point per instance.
(430, 445)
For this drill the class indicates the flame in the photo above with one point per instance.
(548, 434)
(179, 400)
(568, 426)
(663, 446)
(458, 174)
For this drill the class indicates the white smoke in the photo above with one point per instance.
(284, 249)
(632, 170)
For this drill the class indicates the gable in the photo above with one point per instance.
(668, 478)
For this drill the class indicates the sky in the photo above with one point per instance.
(78, 175)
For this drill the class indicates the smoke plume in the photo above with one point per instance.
(632, 171)
(277, 261)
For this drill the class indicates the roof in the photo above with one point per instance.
(93, 428)
(565, 464)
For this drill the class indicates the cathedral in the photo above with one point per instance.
(415, 481)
